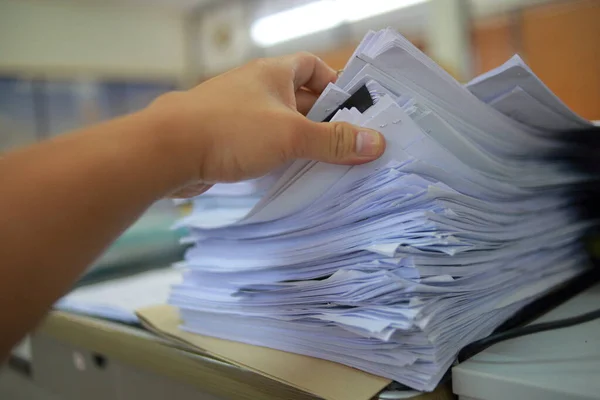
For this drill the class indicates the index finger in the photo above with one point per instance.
(310, 72)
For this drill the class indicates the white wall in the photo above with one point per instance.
(56, 37)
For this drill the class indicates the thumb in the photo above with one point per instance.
(340, 143)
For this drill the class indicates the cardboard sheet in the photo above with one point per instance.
(322, 378)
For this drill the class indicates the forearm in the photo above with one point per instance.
(63, 201)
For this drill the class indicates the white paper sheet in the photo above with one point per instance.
(393, 266)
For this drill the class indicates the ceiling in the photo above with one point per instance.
(479, 7)
(176, 5)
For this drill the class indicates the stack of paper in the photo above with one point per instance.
(393, 266)
(118, 299)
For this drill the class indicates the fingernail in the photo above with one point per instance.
(368, 143)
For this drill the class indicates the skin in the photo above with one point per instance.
(65, 200)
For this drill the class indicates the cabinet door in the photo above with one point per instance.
(491, 42)
(562, 45)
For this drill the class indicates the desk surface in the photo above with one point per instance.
(558, 364)
(146, 351)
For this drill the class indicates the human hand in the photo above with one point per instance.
(249, 121)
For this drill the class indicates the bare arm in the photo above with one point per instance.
(63, 201)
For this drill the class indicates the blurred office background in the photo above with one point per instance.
(65, 64)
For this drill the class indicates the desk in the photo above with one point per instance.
(80, 357)
(553, 365)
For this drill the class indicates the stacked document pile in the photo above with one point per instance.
(393, 266)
